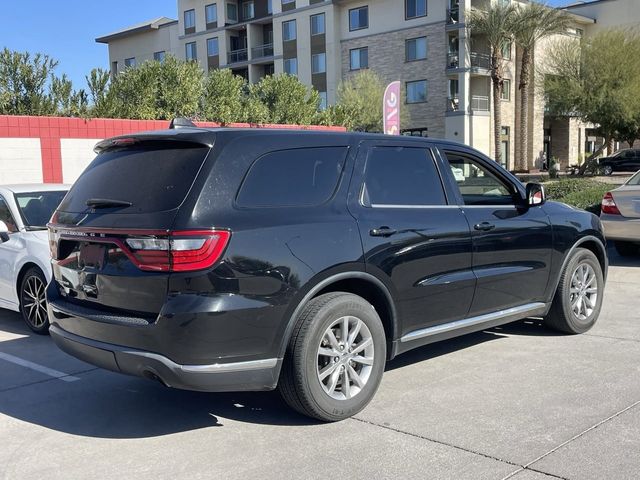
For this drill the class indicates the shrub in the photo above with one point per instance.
(578, 192)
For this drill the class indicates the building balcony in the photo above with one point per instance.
(453, 103)
(262, 51)
(453, 60)
(479, 103)
(453, 15)
(480, 61)
(237, 56)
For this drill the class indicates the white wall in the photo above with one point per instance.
(20, 160)
(76, 155)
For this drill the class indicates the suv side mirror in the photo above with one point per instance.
(4, 232)
(535, 195)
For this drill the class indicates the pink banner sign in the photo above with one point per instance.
(391, 109)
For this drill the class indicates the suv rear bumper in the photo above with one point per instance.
(218, 377)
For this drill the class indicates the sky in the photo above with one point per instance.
(66, 29)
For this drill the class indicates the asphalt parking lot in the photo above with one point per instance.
(516, 402)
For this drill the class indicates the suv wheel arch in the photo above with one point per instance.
(381, 298)
(595, 245)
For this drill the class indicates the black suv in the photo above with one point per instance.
(622, 161)
(231, 259)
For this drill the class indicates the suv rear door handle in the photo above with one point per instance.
(484, 226)
(383, 231)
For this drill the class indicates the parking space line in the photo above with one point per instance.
(38, 368)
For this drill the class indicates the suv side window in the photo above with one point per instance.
(6, 217)
(477, 184)
(401, 177)
(297, 177)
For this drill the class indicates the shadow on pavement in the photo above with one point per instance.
(104, 404)
(616, 260)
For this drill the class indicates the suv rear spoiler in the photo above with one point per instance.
(195, 136)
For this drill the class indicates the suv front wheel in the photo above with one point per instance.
(335, 358)
(578, 299)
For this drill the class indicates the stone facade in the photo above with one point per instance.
(386, 53)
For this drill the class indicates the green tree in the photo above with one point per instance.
(534, 22)
(98, 83)
(359, 105)
(596, 80)
(156, 90)
(223, 97)
(286, 99)
(497, 23)
(24, 83)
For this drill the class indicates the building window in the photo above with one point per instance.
(291, 66)
(506, 90)
(212, 47)
(191, 52)
(289, 30)
(358, 18)
(189, 21)
(232, 12)
(415, 8)
(211, 13)
(359, 58)
(159, 56)
(417, 91)
(323, 100)
(506, 51)
(416, 49)
(130, 62)
(114, 68)
(284, 2)
(317, 24)
(248, 11)
(269, 7)
(318, 63)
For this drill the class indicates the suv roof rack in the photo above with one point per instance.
(181, 122)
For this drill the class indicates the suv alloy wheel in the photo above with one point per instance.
(335, 359)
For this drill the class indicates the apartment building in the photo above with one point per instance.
(444, 70)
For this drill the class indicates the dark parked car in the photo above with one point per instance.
(222, 259)
(622, 161)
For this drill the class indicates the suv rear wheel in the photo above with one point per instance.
(578, 298)
(607, 170)
(33, 303)
(335, 358)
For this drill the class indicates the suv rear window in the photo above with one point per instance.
(297, 177)
(152, 177)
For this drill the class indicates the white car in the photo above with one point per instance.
(25, 265)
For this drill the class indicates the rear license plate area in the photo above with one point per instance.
(92, 255)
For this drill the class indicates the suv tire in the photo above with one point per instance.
(626, 249)
(607, 170)
(318, 360)
(33, 304)
(578, 298)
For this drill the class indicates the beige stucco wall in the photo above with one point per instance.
(609, 13)
(143, 45)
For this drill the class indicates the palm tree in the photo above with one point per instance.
(535, 21)
(497, 24)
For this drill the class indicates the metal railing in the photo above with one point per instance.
(453, 15)
(236, 56)
(479, 103)
(453, 60)
(480, 60)
(453, 103)
(262, 51)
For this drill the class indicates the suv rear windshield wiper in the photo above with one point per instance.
(106, 203)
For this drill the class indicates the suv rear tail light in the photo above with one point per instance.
(609, 205)
(179, 251)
